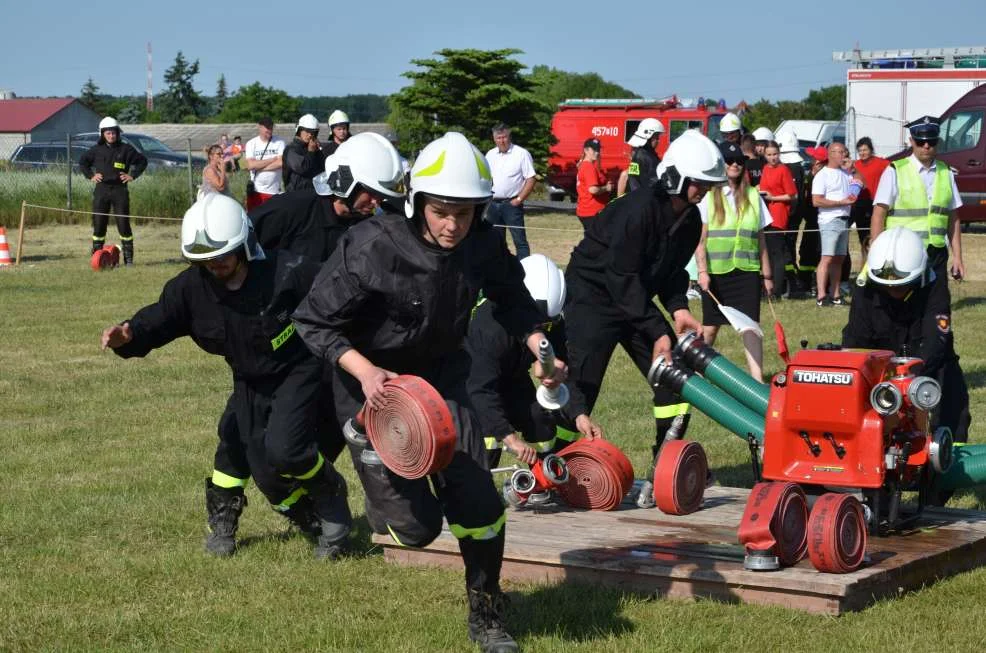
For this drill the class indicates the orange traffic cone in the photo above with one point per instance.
(4, 249)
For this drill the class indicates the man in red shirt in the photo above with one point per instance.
(869, 167)
(592, 186)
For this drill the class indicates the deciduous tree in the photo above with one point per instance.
(252, 102)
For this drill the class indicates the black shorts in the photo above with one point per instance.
(737, 289)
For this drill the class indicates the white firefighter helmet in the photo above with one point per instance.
(108, 123)
(647, 128)
(217, 225)
(763, 134)
(366, 159)
(897, 257)
(730, 123)
(790, 152)
(450, 168)
(309, 122)
(545, 282)
(338, 117)
(691, 156)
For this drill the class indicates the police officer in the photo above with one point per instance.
(339, 126)
(919, 192)
(636, 248)
(644, 159)
(302, 159)
(112, 164)
(900, 309)
(500, 377)
(361, 174)
(395, 298)
(236, 302)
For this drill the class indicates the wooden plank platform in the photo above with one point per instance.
(698, 555)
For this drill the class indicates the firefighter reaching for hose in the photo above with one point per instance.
(236, 302)
(901, 308)
(636, 248)
(499, 380)
(395, 298)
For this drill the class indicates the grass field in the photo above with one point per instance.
(102, 509)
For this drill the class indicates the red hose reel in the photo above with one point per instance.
(600, 475)
(414, 433)
(679, 477)
(108, 256)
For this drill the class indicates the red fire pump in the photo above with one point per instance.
(843, 424)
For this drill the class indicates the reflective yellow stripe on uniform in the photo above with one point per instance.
(282, 337)
(929, 220)
(393, 536)
(566, 435)
(226, 481)
(125, 238)
(633, 169)
(492, 444)
(672, 410)
(311, 472)
(480, 532)
(734, 243)
(292, 499)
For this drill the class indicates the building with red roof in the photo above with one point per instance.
(25, 120)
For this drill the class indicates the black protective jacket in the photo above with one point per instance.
(299, 166)
(111, 161)
(250, 327)
(643, 167)
(403, 303)
(302, 222)
(634, 249)
(500, 385)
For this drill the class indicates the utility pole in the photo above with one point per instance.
(150, 80)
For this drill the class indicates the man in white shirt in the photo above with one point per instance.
(263, 160)
(830, 195)
(931, 214)
(513, 180)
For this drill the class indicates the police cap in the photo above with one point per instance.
(924, 127)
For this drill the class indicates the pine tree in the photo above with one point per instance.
(221, 95)
(181, 102)
(89, 96)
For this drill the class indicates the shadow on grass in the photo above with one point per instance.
(560, 611)
(975, 377)
(38, 258)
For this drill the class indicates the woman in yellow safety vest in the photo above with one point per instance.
(732, 252)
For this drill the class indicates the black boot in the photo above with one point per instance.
(328, 492)
(224, 507)
(302, 516)
(128, 252)
(97, 245)
(487, 616)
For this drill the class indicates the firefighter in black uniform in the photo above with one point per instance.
(500, 378)
(303, 159)
(395, 298)
(637, 248)
(644, 159)
(236, 302)
(901, 309)
(112, 164)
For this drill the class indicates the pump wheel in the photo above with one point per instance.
(837, 534)
(413, 433)
(679, 477)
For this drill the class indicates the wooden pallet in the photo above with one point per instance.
(698, 555)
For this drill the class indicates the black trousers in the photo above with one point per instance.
(107, 197)
(810, 249)
(777, 253)
(408, 510)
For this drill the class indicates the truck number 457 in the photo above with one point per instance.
(601, 130)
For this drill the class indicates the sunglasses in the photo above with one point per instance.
(735, 162)
(926, 142)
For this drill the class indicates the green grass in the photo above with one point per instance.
(102, 510)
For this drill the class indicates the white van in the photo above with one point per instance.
(812, 133)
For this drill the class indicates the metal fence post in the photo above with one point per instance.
(191, 185)
(68, 158)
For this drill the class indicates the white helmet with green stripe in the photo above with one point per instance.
(450, 169)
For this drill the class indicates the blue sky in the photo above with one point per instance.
(777, 50)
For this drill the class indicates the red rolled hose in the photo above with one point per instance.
(413, 433)
(599, 473)
(837, 534)
(775, 520)
(679, 477)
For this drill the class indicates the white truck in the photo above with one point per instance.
(886, 89)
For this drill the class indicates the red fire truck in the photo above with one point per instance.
(613, 123)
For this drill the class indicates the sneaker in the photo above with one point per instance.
(824, 301)
(839, 301)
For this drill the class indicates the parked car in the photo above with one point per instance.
(159, 156)
(40, 156)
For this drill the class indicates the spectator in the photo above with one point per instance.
(754, 164)
(869, 167)
(303, 157)
(339, 126)
(513, 180)
(779, 191)
(761, 137)
(792, 158)
(830, 194)
(591, 184)
(731, 254)
(237, 151)
(227, 151)
(214, 179)
(263, 160)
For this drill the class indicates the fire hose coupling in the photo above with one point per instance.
(550, 472)
(691, 349)
(550, 398)
(354, 433)
(668, 375)
(941, 452)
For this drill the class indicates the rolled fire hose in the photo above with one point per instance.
(719, 406)
(774, 527)
(837, 534)
(968, 468)
(600, 475)
(413, 433)
(723, 373)
(679, 477)
(107, 256)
